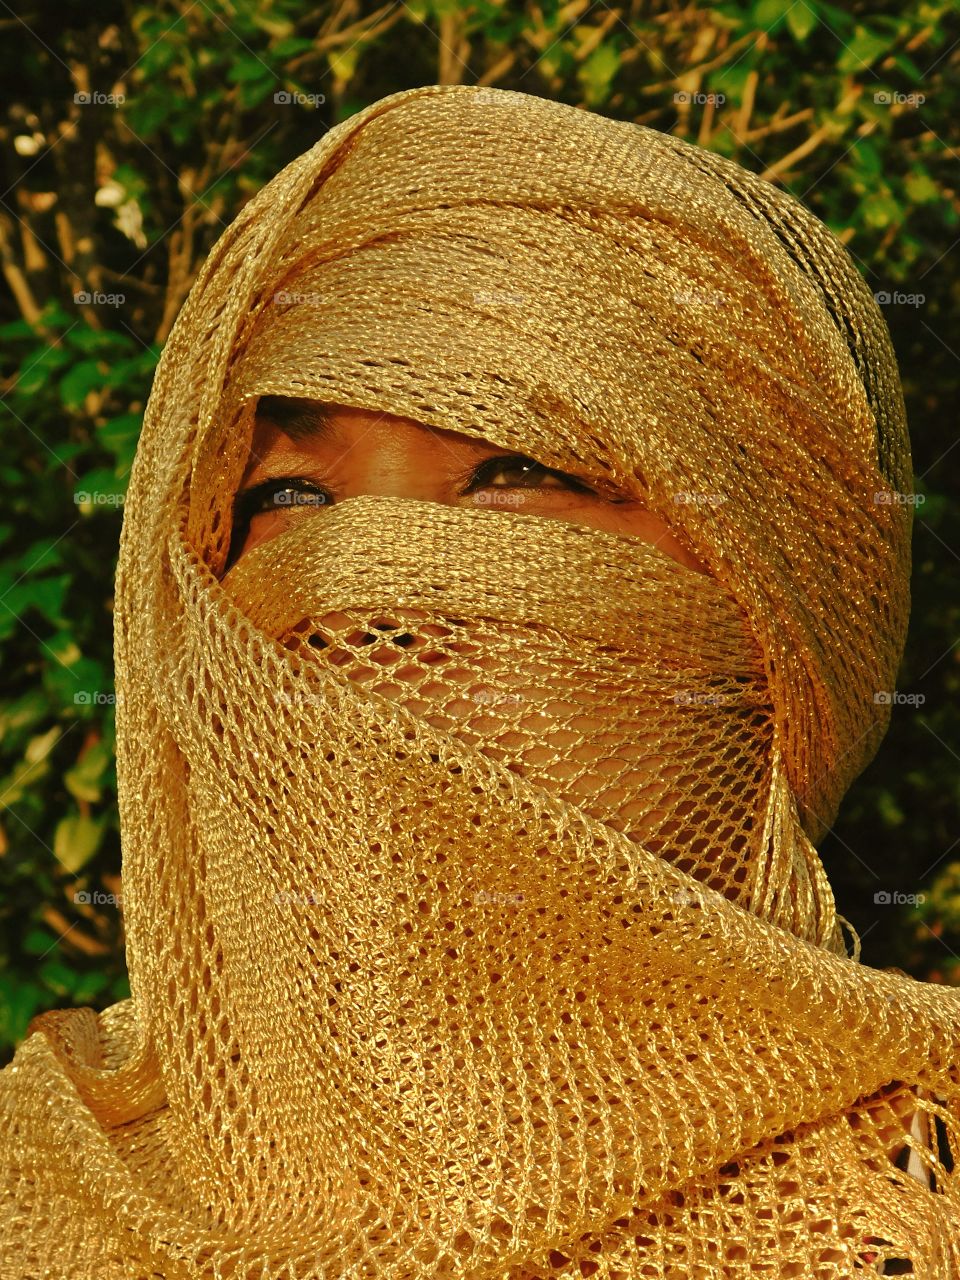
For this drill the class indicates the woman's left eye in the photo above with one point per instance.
(530, 471)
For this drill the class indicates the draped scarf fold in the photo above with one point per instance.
(475, 921)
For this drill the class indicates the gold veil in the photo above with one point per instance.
(475, 923)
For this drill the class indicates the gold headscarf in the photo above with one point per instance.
(475, 920)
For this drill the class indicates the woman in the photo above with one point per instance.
(475, 920)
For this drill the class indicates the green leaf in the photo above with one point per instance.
(866, 156)
(880, 211)
(67, 449)
(862, 50)
(148, 116)
(22, 713)
(100, 490)
(37, 368)
(119, 436)
(291, 47)
(248, 67)
(130, 372)
(40, 555)
(838, 20)
(20, 1000)
(343, 62)
(889, 811)
(85, 780)
(43, 594)
(16, 329)
(83, 378)
(120, 988)
(56, 316)
(38, 942)
(64, 649)
(98, 341)
(135, 184)
(87, 986)
(769, 14)
(598, 70)
(253, 93)
(22, 777)
(936, 507)
(78, 684)
(58, 977)
(282, 27)
(908, 67)
(731, 81)
(801, 20)
(40, 747)
(921, 188)
(76, 839)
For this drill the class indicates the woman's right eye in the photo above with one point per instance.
(283, 494)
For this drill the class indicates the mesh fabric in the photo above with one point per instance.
(475, 920)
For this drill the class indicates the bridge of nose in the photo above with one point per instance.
(397, 459)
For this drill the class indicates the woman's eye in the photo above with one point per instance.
(527, 473)
(285, 494)
(291, 493)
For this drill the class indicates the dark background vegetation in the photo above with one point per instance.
(121, 196)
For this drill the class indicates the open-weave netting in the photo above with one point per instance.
(475, 922)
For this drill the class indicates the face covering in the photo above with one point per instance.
(475, 921)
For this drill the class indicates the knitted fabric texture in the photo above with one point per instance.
(475, 921)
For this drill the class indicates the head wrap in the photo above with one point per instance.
(475, 920)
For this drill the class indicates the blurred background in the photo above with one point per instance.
(131, 135)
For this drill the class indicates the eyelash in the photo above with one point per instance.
(499, 461)
(248, 499)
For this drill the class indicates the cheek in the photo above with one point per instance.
(641, 523)
(262, 529)
(679, 552)
(270, 524)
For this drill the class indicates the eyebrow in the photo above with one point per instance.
(302, 419)
(299, 419)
